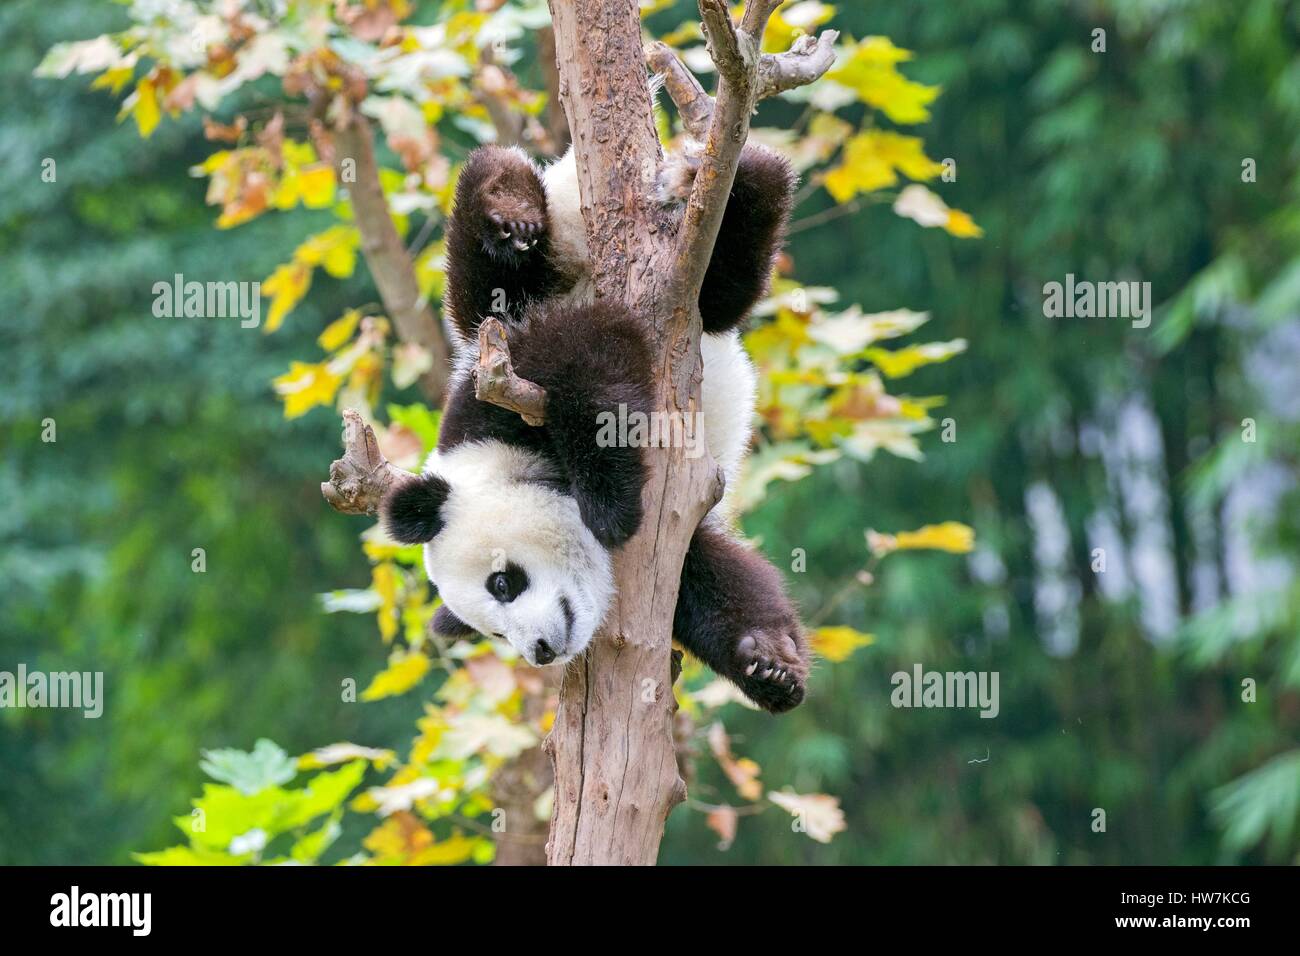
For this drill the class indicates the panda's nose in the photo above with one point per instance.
(544, 653)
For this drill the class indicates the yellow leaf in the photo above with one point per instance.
(286, 286)
(405, 670)
(305, 386)
(339, 332)
(384, 582)
(334, 250)
(213, 163)
(962, 226)
(919, 204)
(951, 536)
(872, 160)
(455, 849)
(838, 643)
(144, 107)
(871, 71)
(791, 21)
(316, 187)
(907, 360)
(114, 79)
(788, 331)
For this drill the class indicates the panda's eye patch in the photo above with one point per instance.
(507, 585)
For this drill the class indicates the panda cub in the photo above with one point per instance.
(517, 521)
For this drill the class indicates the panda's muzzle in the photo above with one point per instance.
(544, 652)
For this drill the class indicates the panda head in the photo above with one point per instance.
(507, 551)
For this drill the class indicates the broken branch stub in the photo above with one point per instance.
(360, 479)
(495, 380)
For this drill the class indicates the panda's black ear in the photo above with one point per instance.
(412, 513)
(446, 623)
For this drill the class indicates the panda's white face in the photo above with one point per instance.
(513, 558)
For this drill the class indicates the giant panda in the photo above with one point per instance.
(518, 522)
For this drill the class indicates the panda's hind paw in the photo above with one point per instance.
(516, 229)
(772, 667)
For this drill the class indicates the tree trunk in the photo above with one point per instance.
(615, 766)
(616, 774)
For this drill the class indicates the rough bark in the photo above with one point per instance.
(616, 772)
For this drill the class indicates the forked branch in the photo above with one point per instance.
(807, 60)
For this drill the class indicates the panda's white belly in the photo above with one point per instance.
(729, 390)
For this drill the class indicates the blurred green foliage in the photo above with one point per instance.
(169, 438)
(1122, 164)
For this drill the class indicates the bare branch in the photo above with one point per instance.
(742, 81)
(386, 256)
(693, 104)
(807, 60)
(757, 12)
(736, 57)
(557, 124)
(360, 479)
(495, 380)
(721, 38)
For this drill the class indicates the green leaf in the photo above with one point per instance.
(421, 419)
(267, 766)
(185, 856)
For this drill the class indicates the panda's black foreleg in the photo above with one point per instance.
(594, 362)
(733, 614)
(498, 242)
(752, 230)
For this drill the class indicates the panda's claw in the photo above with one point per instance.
(771, 668)
(520, 234)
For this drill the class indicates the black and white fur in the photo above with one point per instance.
(518, 521)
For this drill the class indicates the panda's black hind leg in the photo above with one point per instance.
(498, 242)
(733, 614)
(752, 230)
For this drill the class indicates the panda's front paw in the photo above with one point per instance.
(771, 666)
